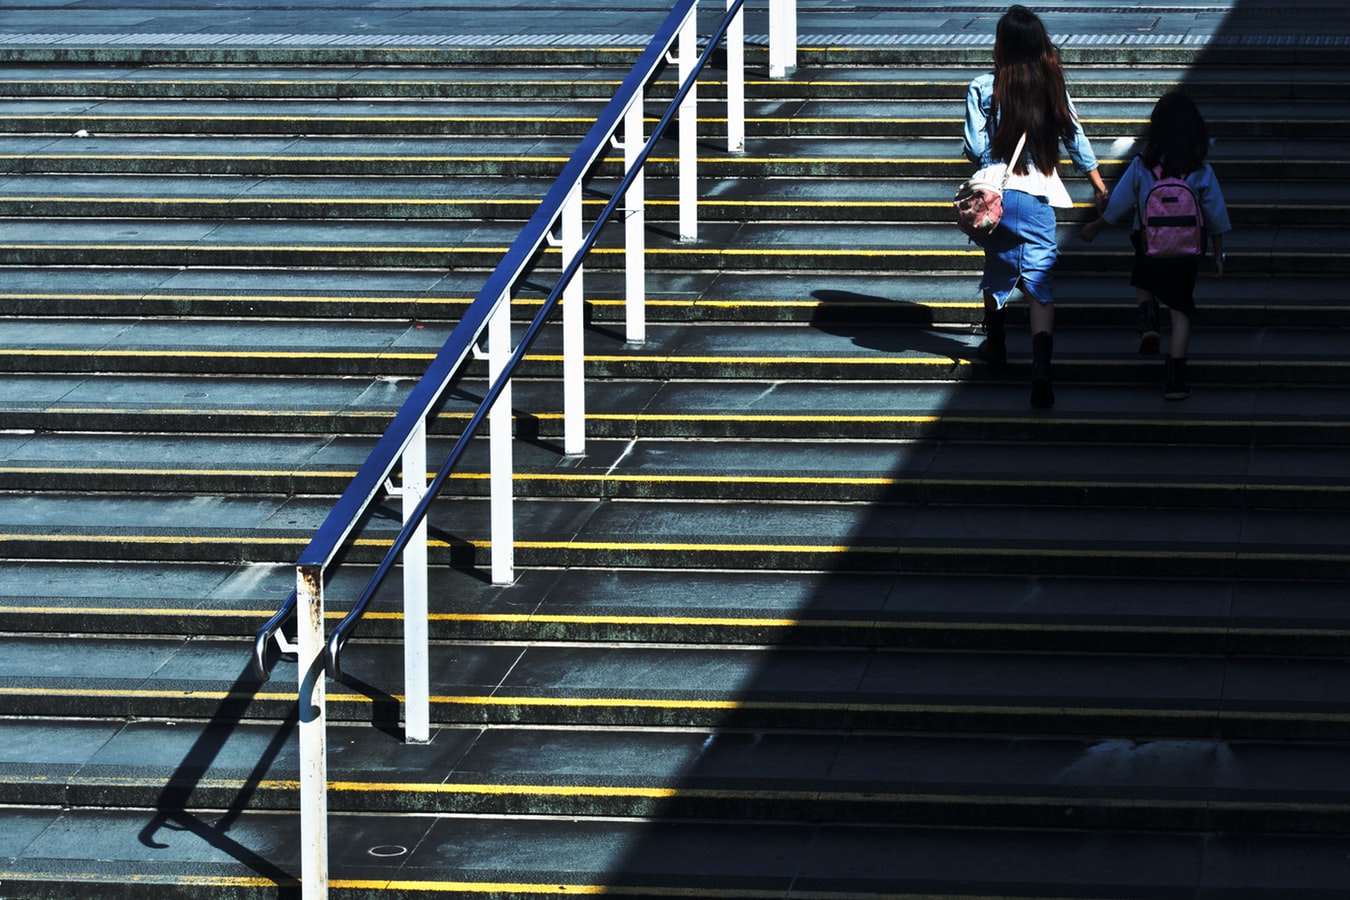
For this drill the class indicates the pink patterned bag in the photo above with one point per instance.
(979, 199)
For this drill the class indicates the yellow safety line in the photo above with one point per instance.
(146, 611)
(161, 472)
(257, 298)
(96, 693)
(188, 411)
(190, 117)
(668, 793)
(402, 887)
(525, 301)
(147, 352)
(1235, 552)
(16, 878)
(271, 201)
(920, 419)
(677, 621)
(336, 695)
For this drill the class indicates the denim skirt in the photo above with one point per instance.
(1022, 250)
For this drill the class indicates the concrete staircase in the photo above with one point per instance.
(825, 611)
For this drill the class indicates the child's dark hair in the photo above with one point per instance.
(1178, 138)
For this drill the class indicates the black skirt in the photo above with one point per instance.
(1172, 281)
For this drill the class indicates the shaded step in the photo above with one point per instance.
(1269, 414)
(520, 859)
(1140, 614)
(1294, 545)
(1136, 696)
(1178, 785)
(1126, 475)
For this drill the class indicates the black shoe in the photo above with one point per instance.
(994, 348)
(1042, 391)
(1149, 336)
(1174, 382)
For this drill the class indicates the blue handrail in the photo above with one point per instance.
(369, 480)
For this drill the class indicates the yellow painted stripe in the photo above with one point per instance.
(203, 157)
(1234, 552)
(143, 694)
(683, 621)
(191, 117)
(405, 887)
(893, 362)
(131, 470)
(817, 252)
(207, 411)
(127, 611)
(390, 158)
(253, 298)
(517, 301)
(308, 201)
(671, 621)
(16, 878)
(336, 695)
(139, 353)
(636, 358)
(668, 793)
(678, 621)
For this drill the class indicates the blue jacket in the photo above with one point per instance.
(1132, 190)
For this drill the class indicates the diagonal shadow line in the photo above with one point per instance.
(1245, 18)
(173, 803)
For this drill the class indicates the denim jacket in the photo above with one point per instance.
(1132, 190)
(979, 100)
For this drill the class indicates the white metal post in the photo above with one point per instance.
(688, 137)
(782, 38)
(310, 648)
(416, 680)
(574, 331)
(736, 81)
(635, 225)
(499, 449)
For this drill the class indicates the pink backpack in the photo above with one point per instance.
(1170, 218)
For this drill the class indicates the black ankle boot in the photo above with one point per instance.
(1174, 381)
(1149, 337)
(1042, 391)
(994, 348)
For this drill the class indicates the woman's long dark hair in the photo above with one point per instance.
(1178, 138)
(1029, 92)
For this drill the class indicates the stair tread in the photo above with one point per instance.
(742, 296)
(134, 760)
(244, 596)
(895, 195)
(708, 343)
(1136, 696)
(1321, 467)
(726, 859)
(885, 534)
(745, 400)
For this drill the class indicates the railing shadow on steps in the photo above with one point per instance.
(404, 441)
